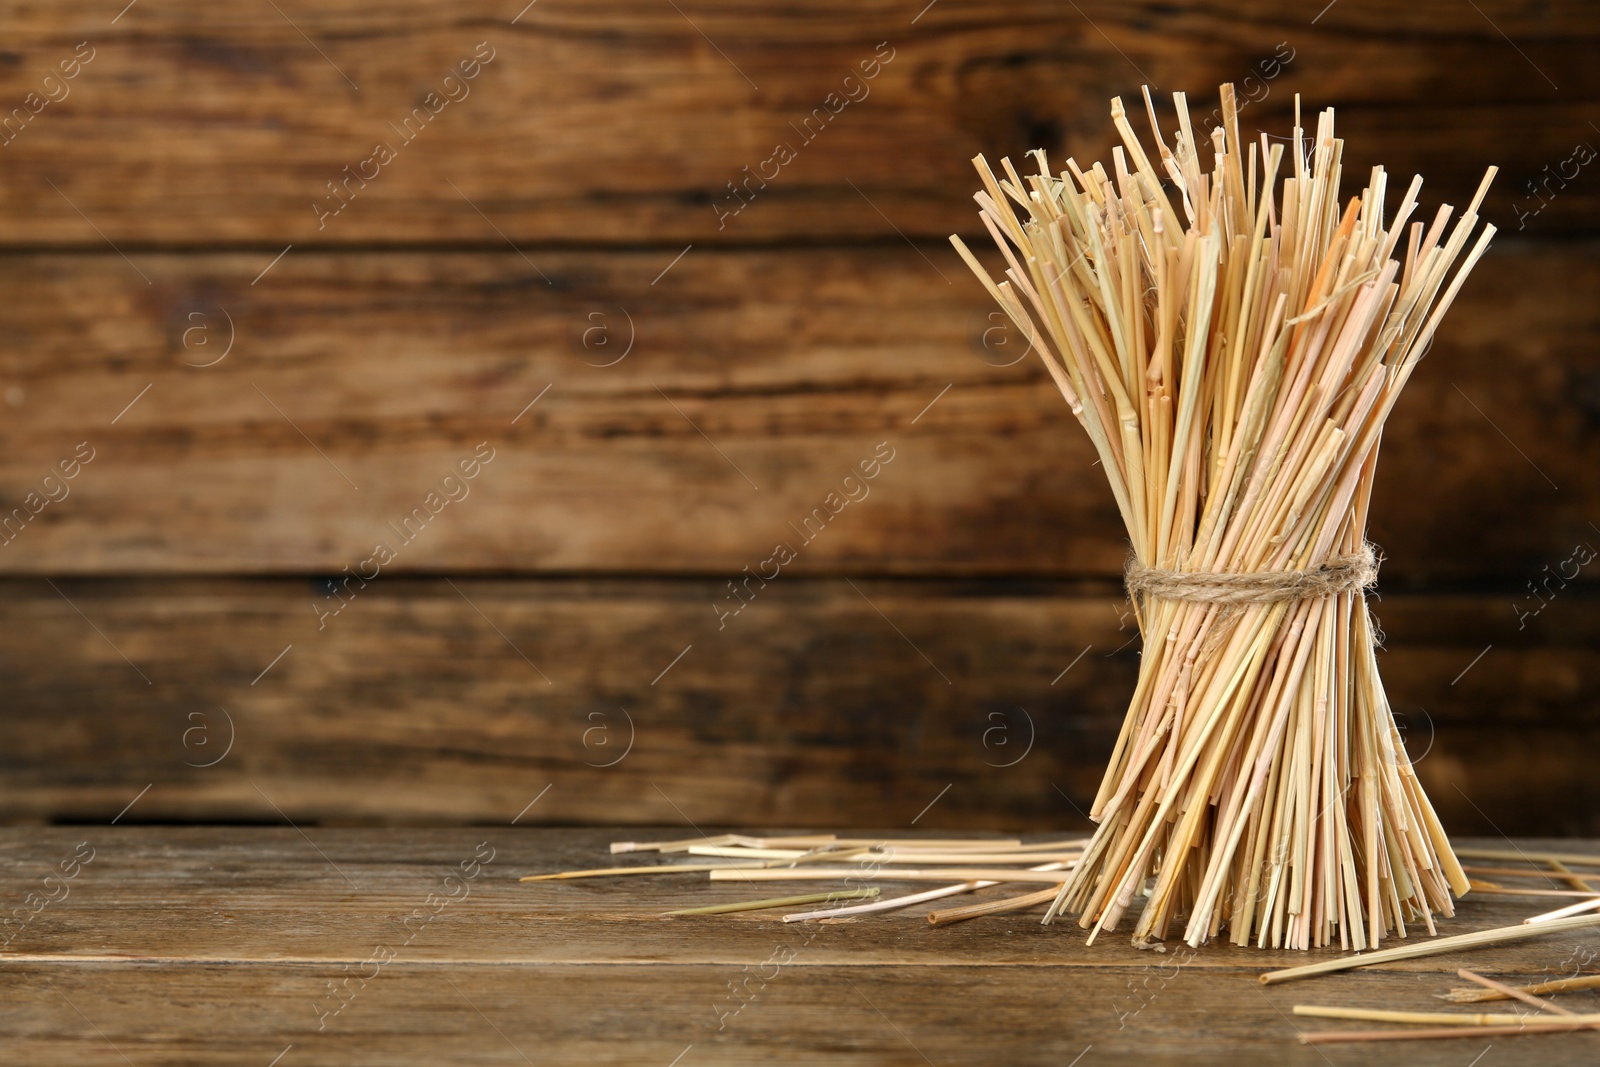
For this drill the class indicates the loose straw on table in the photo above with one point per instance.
(1579, 908)
(1332, 1037)
(1447, 1024)
(682, 845)
(789, 860)
(1575, 859)
(992, 907)
(888, 904)
(909, 899)
(1516, 891)
(1443, 1018)
(810, 841)
(778, 902)
(887, 874)
(1553, 873)
(1513, 993)
(901, 856)
(664, 868)
(1468, 995)
(1435, 947)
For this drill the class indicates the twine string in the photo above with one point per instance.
(1341, 574)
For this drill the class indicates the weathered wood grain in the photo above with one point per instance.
(195, 123)
(978, 704)
(355, 382)
(267, 894)
(227, 1015)
(218, 946)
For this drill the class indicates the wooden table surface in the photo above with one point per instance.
(221, 945)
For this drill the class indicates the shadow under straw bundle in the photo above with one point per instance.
(1234, 375)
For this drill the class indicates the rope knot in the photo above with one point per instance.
(1341, 574)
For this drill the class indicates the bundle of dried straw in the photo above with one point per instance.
(1234, 376)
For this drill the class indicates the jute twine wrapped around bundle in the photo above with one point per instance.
(1234, 366)
(1358, 570)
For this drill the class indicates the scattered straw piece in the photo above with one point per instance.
(1436, 947)
(659, 868)
(1333, 1037)
(1442, 1018)
(1514, 993)
(778, 902)
(1561, 913)
(992, 907)
(896, 874)
(1468, 995)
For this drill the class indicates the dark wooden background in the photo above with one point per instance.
(956, 639)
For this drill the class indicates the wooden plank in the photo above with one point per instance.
(327, 896)
(755, 383)
(628, 121)
(235, 945)
(634, 1013)
(978, 704)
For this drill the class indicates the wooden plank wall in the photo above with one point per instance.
(508, 294)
